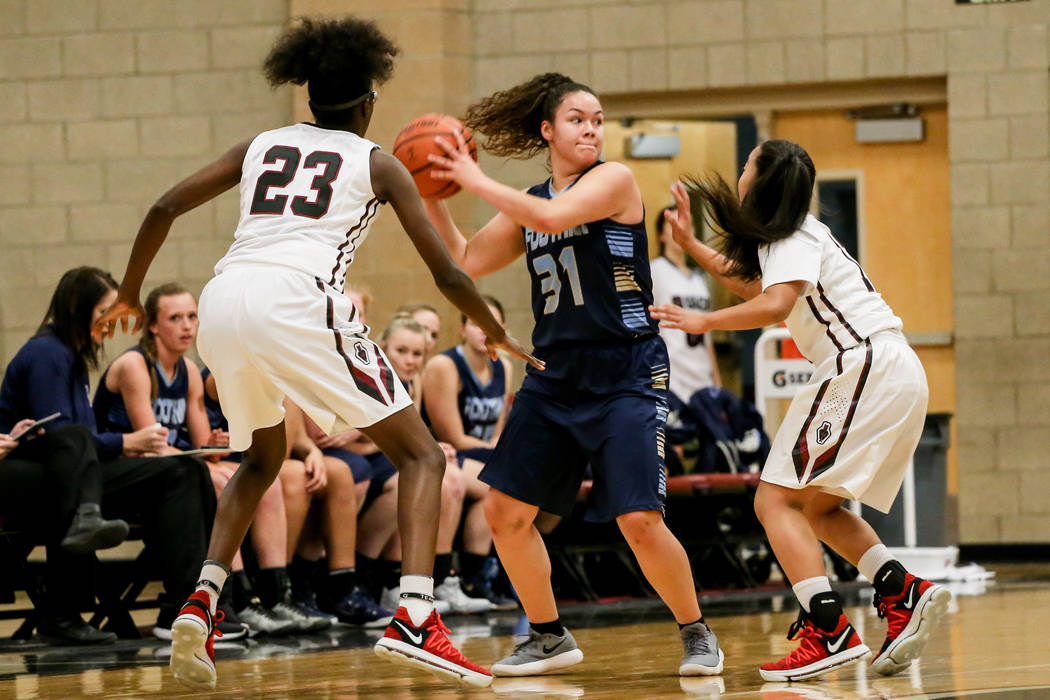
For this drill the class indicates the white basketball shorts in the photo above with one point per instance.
(267, 332)
(852, 430)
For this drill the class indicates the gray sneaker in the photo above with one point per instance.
(540, 653)
(304, 622)
(702, 655)
(261, 620)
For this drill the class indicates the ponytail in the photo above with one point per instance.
(511, 119)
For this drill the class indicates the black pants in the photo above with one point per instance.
(42, 481)
(47, 477)
(174, 501)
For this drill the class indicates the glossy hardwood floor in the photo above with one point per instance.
(994, 640)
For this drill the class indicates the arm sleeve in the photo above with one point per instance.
(792, 259)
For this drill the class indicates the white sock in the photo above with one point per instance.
(873, 560)
(417, 608)
(806, 589)
(212, 579)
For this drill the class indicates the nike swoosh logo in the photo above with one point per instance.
(417, 637)
(909, 602)
(837, 646)
(549, 650)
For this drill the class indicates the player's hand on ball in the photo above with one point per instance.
(681, 218)
(457, 163)
(671, 316)
(123, 309)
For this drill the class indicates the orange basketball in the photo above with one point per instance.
(416, 142)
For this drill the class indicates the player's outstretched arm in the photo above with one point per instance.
(205, 184)
(391, 182)
(716, 264)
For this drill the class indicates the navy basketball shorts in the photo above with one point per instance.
(382, 470)
(480, 454)
(556, 429)
(360, 467)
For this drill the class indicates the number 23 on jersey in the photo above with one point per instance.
(327, 165)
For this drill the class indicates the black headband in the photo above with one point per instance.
(370, 95)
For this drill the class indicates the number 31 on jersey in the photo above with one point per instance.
(550, 279)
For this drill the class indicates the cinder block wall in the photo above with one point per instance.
(995, 59)
(104, 104)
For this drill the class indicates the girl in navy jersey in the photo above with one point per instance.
(603, 398)
(275, 323)
(849, 433)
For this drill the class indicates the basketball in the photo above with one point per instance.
(416, 142)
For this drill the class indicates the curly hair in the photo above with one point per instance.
(511, 119)
(774, 207)
(337, 59)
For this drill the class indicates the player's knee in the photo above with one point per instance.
(772, 500)
(272, 500)
(503, 518)
(453, 488)
(639, 528)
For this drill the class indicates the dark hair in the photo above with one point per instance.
(658, 226)
(69, 313)
(491, 301)
(148, 341)
(511, 119)
(339, 60)
(774, 207)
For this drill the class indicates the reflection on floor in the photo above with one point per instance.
(994, 640)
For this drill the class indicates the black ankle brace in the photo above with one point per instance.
(420, 596)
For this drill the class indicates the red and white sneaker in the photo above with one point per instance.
(910, 617)
(192, 637)
(818, 653)
(428, 647)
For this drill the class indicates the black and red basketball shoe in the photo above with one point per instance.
(192, 637)
(427, 647)
(818, 652)
(910, 617)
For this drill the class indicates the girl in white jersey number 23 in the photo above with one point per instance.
(849, 433)
(275, 322)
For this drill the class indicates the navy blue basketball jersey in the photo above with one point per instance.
(591, 283)
(479, 406)
(216, 418)
(169, 407)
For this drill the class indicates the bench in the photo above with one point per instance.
(711, 514)
(118, 584)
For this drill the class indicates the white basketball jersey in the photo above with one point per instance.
(839, 307)
(690, 360)
(306, 201)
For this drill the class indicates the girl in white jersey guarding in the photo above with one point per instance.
(849, 433)
(274, 321)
